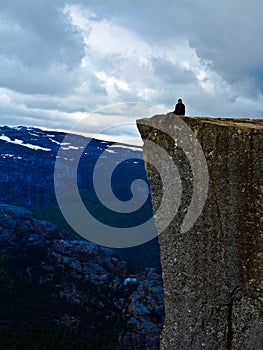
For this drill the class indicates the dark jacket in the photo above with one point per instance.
(179, 109)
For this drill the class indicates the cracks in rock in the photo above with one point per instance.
(229, 332)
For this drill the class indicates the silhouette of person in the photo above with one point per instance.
(179, 108)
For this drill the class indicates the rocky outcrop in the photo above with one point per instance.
(213, 271)
(144, 314)
(51, 280)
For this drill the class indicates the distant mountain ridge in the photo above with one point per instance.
(33, 149)
(27, 160)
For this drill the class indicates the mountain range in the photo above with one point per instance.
(58, 290)
(27, 160)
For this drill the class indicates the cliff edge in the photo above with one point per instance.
(213, 269)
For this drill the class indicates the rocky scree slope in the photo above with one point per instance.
(48, 280)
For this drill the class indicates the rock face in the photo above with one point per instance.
(50, 280)
(213, 272)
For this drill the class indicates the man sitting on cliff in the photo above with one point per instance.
(179, 108)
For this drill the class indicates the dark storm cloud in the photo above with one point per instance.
(228, 35)
(37, 33)
(40, 50)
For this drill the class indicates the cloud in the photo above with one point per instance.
(217, 31)
(38, 34)
(40, 50)
(15, 76)
(226, 34)
(60, 60)
(192, 52)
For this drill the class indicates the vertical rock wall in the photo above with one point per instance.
(213, 273)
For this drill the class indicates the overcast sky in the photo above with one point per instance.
(61, 60)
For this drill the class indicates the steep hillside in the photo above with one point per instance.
(57, 292)
(27, 161)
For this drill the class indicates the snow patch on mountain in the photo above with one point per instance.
(10, 156)
(132, 148)
(21, 143)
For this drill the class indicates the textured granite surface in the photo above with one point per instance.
(213, 272)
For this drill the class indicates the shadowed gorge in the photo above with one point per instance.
(213, 272)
